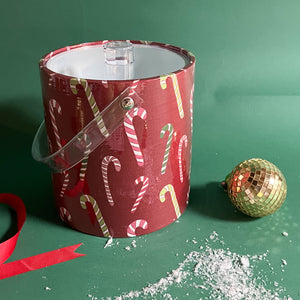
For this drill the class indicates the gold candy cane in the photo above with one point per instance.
(169, 188)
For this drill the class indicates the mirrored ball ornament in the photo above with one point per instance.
(256, 187)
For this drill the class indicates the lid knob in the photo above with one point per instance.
(118, 53)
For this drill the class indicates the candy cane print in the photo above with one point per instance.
(133, 87)
(64, 214)
(50, 144)
(162, 196)
(79, 119)
(191, 107)
(146, 42)
(167, 127)
(163, 84)
(65, 183)
(92, 102)
(54, 105)
(81, 182)
(191, 113)
(163, 81)
(105, 84)
(182, 140)
(105, 162)
(79, 116)
(131, 134)
(88, 198)
(51, 81)
(134, 225)
(145, 181)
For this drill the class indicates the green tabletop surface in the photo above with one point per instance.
(246, 104)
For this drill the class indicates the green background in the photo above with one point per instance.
(246, 104)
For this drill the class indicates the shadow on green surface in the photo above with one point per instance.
(14, 114)
(20, 174)
(212, 201)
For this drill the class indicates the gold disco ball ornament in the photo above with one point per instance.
(256, 187)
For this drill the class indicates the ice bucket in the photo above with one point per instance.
(118, 134)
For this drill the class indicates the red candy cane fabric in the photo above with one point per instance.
(91, 100)
(191, 107)
(65, 214)
(133, 87)
(98, 214)
(145, 181)
(105, 162)
(54, 105)
(139, 175)
(163, 84)
(81, 185)
(162, 196)
(131, 230)
(182, 140)
(169, 128)
(131, 134)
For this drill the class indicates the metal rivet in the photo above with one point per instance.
(127, 103)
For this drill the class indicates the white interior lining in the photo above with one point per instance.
(89, 62)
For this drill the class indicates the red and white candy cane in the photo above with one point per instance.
(163, 84)
(145, 181)
(134, 225)
(54, 105)
(131, 134)
(105, 84)
(98, 214)
(65, 214)
(51, 81)
(167, 127)
(65, 183)
(105, 162)
(133, 87)
(162, 196)
(92, 102)
(182, 140)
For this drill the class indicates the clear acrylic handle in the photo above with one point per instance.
(89, 138)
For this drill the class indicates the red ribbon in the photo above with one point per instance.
(30, 263)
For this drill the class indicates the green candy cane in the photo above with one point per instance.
(92, 102)
(167, 127)
(98, 214)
